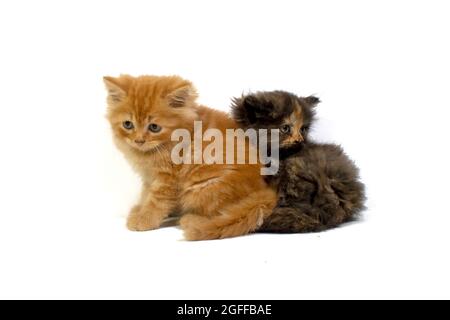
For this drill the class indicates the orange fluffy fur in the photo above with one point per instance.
(215, 201)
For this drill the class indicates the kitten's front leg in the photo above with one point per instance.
(157, 201)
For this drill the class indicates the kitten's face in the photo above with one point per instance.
(281, 110)
(293, 128)
(144, 111)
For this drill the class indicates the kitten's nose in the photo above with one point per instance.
(299, 139)
(139, 141)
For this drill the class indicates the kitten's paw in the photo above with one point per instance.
(141, 222)
(135, 210)
(196, 228)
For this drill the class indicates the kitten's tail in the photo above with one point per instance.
(331, 212)
(237, 219)
(291, 220)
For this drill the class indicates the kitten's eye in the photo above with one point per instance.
(286, 128)
(304, 130)
(128, 125)
(153, 127)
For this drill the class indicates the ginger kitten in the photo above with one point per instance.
(214, 200)
(318, 185)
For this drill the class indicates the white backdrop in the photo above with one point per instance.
(381, 68)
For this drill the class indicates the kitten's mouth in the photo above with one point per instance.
(146, 147)
(143, 147)
(292, 145)
(288, 149)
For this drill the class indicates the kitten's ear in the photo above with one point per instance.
(244, 109)
(250, 102)
(117, 89)
(251, 106)
(182, 96)
(312, 101)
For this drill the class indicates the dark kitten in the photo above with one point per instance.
(318, 185)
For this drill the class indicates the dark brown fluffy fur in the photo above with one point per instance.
(318, 185)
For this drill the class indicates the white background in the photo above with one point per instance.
(381, 68)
